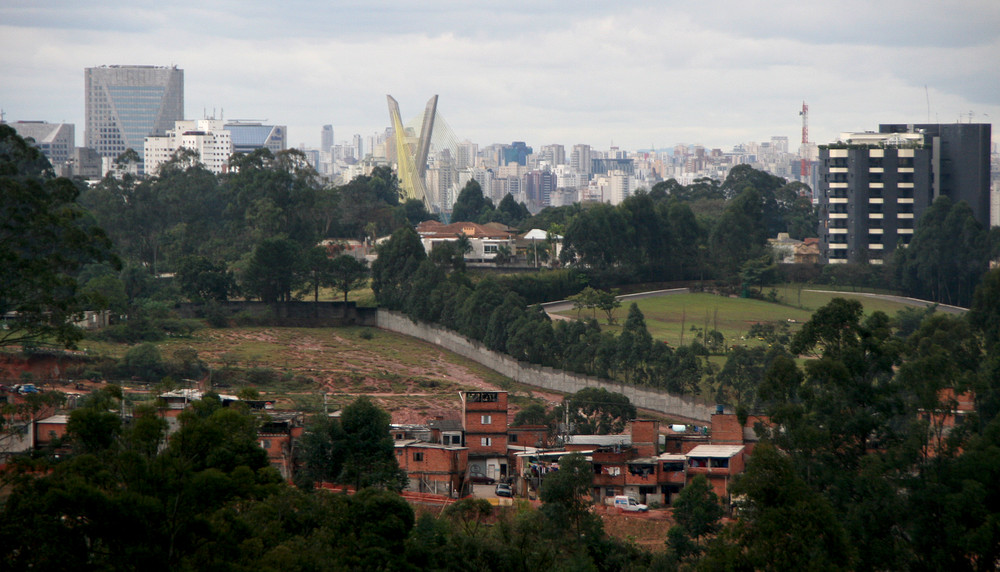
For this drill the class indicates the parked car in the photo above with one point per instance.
(629, 504)
(504, 490)
(480, 479)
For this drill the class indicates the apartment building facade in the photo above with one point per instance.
(874, 186)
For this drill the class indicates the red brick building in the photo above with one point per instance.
(433, 467)
(484, 421)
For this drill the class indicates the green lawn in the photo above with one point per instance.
(671, 317)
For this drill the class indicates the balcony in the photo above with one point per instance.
(904, 185)
(876, 185)
(904, 201)
(876, 215)
(838, 185)
(875, 246)
(838, 231)
(876, 170)
(838, 201)
(838, 169)
(904, 231)
(838, 246)
(837, 215)
(837, 260)
(904, 215)
(875, 231)
(876, 261)
(875, 200)
(904, 170)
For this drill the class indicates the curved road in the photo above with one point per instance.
(563, 305)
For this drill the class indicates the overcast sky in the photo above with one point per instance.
(631, 74)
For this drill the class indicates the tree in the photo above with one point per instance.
(607, 301)
(594, 410)
(274, 270)
(318, 270)
(784, 525)
(635, 346)
(357, 449)
(397, 262)
(565, 496)
(949, 253)
(534, 414)
(697, 512)
(741, 233)
(348, 273)
(45, 240)
(470, 204)
(740, 377)
(201, 280)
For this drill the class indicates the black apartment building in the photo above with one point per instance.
(874, 186)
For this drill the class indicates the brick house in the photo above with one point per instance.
(277, 435)
(484, 421)
(433, 467)
(719, 463)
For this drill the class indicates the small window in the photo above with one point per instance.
(487, 419)
(512, 438)
(266, 443)
(486, 441)
(418, 456)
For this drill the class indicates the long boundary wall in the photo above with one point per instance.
(543, 377)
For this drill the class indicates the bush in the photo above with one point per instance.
(366, 335)
(143, 361)
(262, 376)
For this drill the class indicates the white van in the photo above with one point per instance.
(629, 504)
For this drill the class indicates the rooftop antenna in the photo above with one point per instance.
(928, 95)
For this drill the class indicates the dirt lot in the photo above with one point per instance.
(413, 380)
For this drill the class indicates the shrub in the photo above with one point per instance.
(143, 361)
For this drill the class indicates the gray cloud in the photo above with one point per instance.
(546, 72)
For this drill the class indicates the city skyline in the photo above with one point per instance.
(628, 75)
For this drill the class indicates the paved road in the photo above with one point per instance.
(563, 305)
(901, 299)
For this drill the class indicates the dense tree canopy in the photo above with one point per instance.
(46, 239)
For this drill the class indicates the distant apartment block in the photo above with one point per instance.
(874, 186)
(55, 140)
(208, 138)
(126, 104)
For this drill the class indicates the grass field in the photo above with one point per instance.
(670, 318)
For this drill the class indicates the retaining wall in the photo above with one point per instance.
(543, 377)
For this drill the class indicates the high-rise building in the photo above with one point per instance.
(580, 161)
(251, 135)
(126, 104)
(554, 154)
(208, 138)
(326, 140)
(359, 150)
(873, 187)
(55, 140)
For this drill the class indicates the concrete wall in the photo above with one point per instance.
(543, 377)
(290, 314)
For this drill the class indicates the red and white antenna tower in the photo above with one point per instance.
(804, 171)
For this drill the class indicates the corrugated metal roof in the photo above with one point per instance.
(600, 440)
(717, 451)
